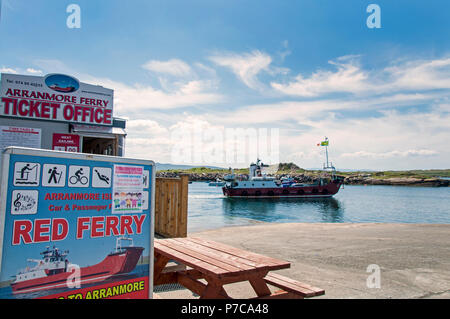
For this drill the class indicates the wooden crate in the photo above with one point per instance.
(171, 205)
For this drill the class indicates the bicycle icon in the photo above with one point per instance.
(78, 178)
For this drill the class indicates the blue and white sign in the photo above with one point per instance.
(64, 234)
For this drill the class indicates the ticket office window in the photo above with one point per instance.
(101, 146)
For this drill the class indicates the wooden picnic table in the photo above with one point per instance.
(219, 264)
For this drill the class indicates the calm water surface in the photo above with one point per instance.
(209, 209)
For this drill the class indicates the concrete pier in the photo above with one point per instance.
(414, 259)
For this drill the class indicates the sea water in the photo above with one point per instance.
(209, 209)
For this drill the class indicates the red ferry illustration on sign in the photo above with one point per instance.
(53, 270)
(68, 89)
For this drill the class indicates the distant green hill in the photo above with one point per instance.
(292, 168)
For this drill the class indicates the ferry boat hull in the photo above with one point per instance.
(308, 191)
(115, 263)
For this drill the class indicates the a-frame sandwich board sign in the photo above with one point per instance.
(75, 225)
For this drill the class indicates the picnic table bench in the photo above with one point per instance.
(219, 264)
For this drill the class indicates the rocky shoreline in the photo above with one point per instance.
(356, 179)
(398, 181)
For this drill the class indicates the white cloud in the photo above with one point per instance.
(147, 139)
(8, 70)
(385, 136)
(308, 112)
(136, 100)
(139, 98)
(173, 67)
(181, 143)
(34, 71)
(19, 71)
(391, 154)
(206, 69)
(348, 78)
(285, 51)
(54, 66)
(419, 75)
(146, 127)
(390, 141)
(146, 97)
(245, 66)
(374, 141)
(382, 125)
(155, 149)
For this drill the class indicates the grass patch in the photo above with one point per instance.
(286, 169)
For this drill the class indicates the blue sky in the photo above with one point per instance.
(308, 68)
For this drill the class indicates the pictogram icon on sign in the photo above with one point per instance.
(54, 175)
(26, 174)
(79, 176)
(101, 177)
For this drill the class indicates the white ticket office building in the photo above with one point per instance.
(57, 112)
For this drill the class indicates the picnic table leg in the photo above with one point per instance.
(214, 290)
(211, 292)
(259, 285)
(160, 264)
